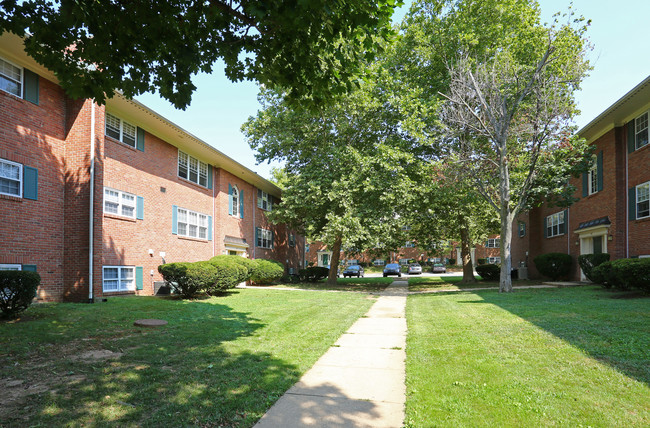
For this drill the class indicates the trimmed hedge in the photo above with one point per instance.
(588, 262)
(481, 261)
(313, 274)
(451, 262)
(249, 264)
(554, 265)
(489, 272)
(17, 291)
(175, 275)
(267, 271)
(624, 274)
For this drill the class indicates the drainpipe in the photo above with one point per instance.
(91, 251)
(254, 212)
(627, 205)
(214, 216)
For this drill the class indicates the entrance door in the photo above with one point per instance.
(597, 244)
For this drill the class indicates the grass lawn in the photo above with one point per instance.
(370, 285)
(221, 361)
(566, 357)
(452, 283)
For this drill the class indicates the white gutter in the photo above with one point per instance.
(92, 203)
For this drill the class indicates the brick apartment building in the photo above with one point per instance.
(102, 195)
(612, 215)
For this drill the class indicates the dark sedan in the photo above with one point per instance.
(354, 270)
(392, 269)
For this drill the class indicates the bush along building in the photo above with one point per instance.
(612, 214)
(95, 197)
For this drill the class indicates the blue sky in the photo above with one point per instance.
(620, 59)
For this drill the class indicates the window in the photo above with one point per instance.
(403, 261)
(555, 224)
(11, 182)
(119, 278)
(379, 262)
(522, 229)
(353, 262)
(192, 224)
(11, 78)
(643, 200)
(641, 131)
(292, 240)
(306, 248)
(494, 260)
(592, 179)
(10, 267)
(235, 201)
(192, 169)
(409, 244)
(119, 203)
(493, 243)
(264, 200)
(264, 238)
(120, 130)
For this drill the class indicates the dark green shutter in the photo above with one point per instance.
(631, 140)
(241, 203)
(229, 199)
(30, 88)
(30, 183)
(139, 209)
(29, 268)
(631, 203)
(585, 184)
(174, 219)
(140, 140)
(272, 238)
(209, 228)
(545, 229)
(566, 222)
(257, 233)
(138, 278)
(599, 170)
(209, 176)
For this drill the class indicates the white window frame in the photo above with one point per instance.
(194, 226)
(20, 178)
(10, 266)
(235, 201)
(494, 260)
(592, 178)
(493, 243)
(353, 262)
(20, 83)
(195, 170)
(123, 126)
(521, 228)
(409, 244)
(639, 127)
(553, 223)
(379, 262)
(121, 279)
(264, 200)
(637, 201)
(264, 238)
(121, 202)
(292, 240)
(403, 262)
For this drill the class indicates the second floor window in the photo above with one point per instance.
(11, 78)
(643, 200)
(592, 178)
(11, 178)
(264, 200)
(641, 131)
(192, 169)
(120, 130)
(493, 243)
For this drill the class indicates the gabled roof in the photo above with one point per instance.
(622, 111)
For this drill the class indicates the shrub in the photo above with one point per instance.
(228, 273)
(481, 261)
(17, 290)
(553, 265)
(267, 271)
(249, 264)
(452, 261)
(626, 274)
(601, 274)
(489, 272)
(313, 274)
(588, 262)
(189, 279)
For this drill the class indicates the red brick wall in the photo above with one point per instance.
(639, 230)
(32, 231)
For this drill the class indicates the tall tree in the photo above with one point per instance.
(508, 81)
(313, 47)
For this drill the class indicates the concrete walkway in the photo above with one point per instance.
(359, 382)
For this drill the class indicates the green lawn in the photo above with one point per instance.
(221, 361)
(452, 283)
(565, 357)
(370, 285)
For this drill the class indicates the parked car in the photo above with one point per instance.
(392, 269)
(414, 269)
(438, 268)
(354, 270)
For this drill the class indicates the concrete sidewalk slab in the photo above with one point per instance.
(353, 357)
(381, 341)
(377, 325)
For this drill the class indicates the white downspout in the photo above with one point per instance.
(214, 216)
(627, 202)
(254, 212)
(92, 203)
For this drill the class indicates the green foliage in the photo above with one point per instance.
(452, 262)
(554, 265)
(249, 264)
(267, 271)
(17, 291)
(489, 272)
(481, 261)
(625, 274)
(313, 274)
(314, 47)
(588, 262)
(175, 275)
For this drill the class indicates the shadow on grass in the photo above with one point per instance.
(613, 331)
(88, 365)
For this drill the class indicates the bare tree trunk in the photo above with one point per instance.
(465, 252)
(334, 262)
(505, 284)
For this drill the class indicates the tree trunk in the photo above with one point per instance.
(465, 252)
(506, 254)
(334, 262)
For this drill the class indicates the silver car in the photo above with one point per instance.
(415, 269)
(438, 268)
